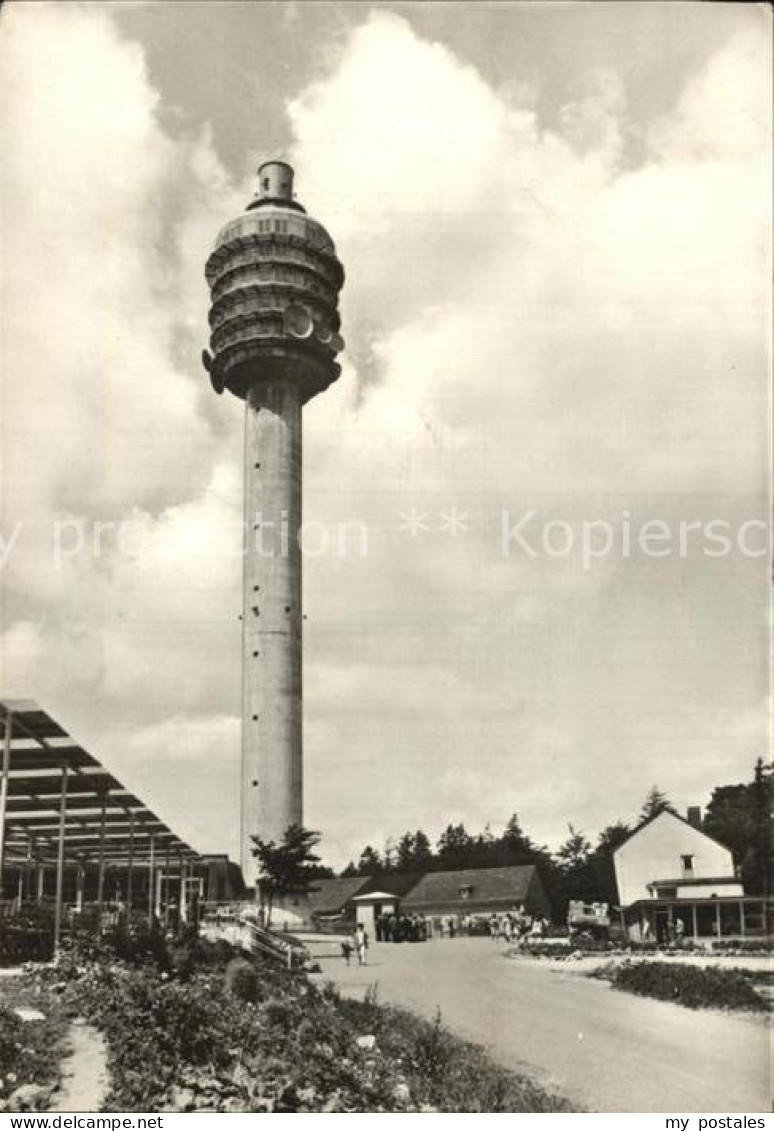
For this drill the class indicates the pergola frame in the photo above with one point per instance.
(59, 805)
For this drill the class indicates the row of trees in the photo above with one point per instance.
(577, 870)
(737, 815)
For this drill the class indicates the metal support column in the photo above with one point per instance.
(101, 871)
(30, 869)
(166, 892)
(5, 775)
(80, 877)
(181, 893)
(151, 871)
(157, 892)
(60, 861)
(129, 876)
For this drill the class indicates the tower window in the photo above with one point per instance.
(265, 184)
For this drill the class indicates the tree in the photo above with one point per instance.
(601, 864)
(404, 856)
(454, 846)
(423, 852)
(370, 862)
(759, 866)
(611, 837)
(288, 868)
(739, 816)
(656, 802)
(575, 852)
(414, 853)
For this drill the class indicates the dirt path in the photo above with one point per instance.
(84, 1072)
(605, 1050)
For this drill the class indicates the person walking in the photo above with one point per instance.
(361, 944)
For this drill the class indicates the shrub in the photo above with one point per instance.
(693, 986)
(242, 980)
(10, 1041)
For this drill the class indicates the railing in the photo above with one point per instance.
(236, 923)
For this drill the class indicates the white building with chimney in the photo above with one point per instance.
(674, 880)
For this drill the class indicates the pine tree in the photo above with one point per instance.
(370, 862)
(287, 868)
(404, 858)
(656, 802)
(454, 845)
(423, 853)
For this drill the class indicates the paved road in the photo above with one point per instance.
(603, 1049)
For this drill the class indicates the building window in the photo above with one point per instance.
(666, 893)
(466, 891)
(687, 862)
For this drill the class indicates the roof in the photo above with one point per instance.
(488, 885)
(329, 896)
(672, 813)
(695, 881)
(714, 900)
(392, 883)
(41, 755)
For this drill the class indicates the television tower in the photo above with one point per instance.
(274, 280)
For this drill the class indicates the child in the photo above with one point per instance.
(346, 950)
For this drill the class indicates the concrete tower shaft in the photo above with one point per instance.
(272, 771)
(274, 280)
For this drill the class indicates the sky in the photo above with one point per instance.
(554, 221)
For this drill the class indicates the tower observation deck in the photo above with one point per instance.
(274, 280)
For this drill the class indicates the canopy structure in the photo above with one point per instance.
(59, 805)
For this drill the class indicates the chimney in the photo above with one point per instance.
(693, 816)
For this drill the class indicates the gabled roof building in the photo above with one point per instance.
(669, 870)
(478, 891)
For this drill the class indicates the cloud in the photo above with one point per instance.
(533, 319)
(106, 411)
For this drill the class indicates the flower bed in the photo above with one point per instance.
(211, 1035)
(28, 1049)
(743, 946)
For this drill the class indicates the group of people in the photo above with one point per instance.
(390, 927)
(517, 927)
(510, 927)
